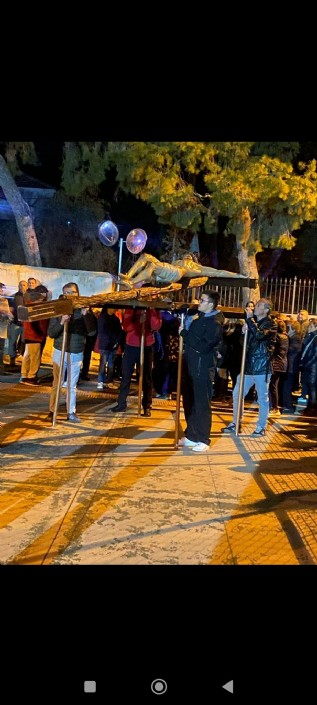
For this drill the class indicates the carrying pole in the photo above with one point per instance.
(61, 367)
(120, 261)
(179, 378)
(241, 385)
(141, 367)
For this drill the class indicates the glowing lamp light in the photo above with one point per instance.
(108, 233)
(136, 240)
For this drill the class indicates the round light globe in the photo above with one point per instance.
(108, 233)
(136, 240)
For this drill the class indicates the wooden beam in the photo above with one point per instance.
(45, 309)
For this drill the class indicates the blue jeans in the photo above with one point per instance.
(262, 387)
(73, 363)
(14, 333)
(106, 356)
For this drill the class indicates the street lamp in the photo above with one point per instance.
(109, 235)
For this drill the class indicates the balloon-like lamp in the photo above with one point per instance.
(108, 234)
(135, 242)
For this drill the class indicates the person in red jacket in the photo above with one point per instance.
(34, 334)
(132, 324)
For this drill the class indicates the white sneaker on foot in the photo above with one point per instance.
(100, 385)
(200, 447)
(186, 442)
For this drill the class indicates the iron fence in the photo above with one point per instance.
(230, 295)
(288, 295)
(291, 295)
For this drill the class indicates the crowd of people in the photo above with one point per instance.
(281, 356)
(281, 360)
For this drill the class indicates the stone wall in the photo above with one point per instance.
(89, 283)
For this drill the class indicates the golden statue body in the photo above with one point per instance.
(148, 268)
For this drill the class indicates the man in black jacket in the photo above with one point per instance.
(109, 337)
(202, 341)
(262, 332)
(15, 330)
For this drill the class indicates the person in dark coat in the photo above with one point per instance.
(88, 349)
(279, 367)
(109, 337)
(80, 324)
(308, 363)
(293, 360)
(5, 317)
(202, 340)
(15, 330)
(258, 367)
(166, 356)
(234, 339)
(303, 320)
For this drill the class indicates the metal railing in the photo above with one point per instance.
(291, 295)
(288, 295)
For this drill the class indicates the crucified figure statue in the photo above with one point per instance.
(147, 268)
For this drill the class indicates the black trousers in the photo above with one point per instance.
(131, 356)
(276, 389)
(290, 383)
(309, 384)
(2, 342)
(197, 394)
(89, 346)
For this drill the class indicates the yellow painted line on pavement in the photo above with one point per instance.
(47, 547)
(19, 500)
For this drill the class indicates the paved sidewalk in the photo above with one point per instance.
(113, 490)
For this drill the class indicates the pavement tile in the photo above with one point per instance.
(114, 489)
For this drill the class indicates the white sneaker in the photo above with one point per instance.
(100, 385)
(186, 442)
(200, 447)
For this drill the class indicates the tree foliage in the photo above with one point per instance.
(84, 167)
(258, 186)
(234, 178)
(17, 154)
(71, 224)
(65, 228)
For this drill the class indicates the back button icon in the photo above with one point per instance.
(228, 686)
